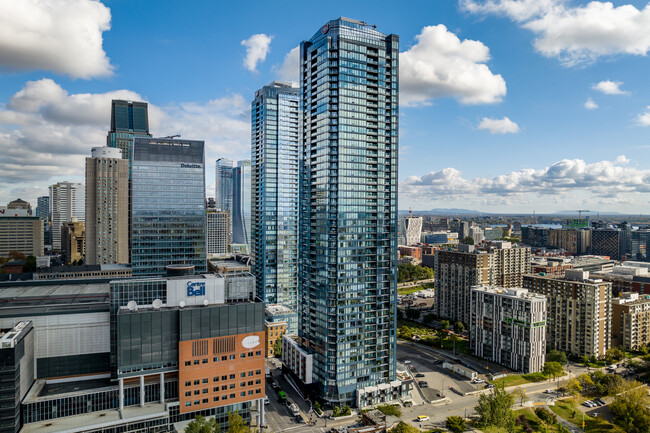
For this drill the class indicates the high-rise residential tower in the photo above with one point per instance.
(68, 200)
(223, 185)
(274, 178)
(241, 203)
(128, 120)
(43, 208)
(348, 217)
(412, 229)
(107, 207)
(168, 205)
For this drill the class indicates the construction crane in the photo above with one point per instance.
(169, 137)
(580, 211)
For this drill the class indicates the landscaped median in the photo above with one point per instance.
(568, 409)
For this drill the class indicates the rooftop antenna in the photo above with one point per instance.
(411, 212)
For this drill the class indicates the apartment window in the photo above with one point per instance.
(250, 392)
(232, 386)
(188, 363)
(196, 362)
(205, 360)
(258, 391)
(197, 392)
(225, 397)
(224, 358)
(224, 377)
(232, 376)
(205, 400)
(258, 353)
(188, 383)
(250, 383)
(258, 382)
(196, 382)
(215, 379)
(243, 355)
(215, 389)
(216, 398)
(205, 390)
(215, 359)
(205, 380)
(232, 395)
(224, 387)
(188, 403)
(242, 374)
(242, 384)
(188, 393)
(258, 371)
(250, 373)
(232, 357)
(197, 401)
(242, 394)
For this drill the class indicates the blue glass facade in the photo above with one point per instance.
(168, 219)
(241, 203)
(275, 154)
(223, 185)
(128, 120)
(348, 194)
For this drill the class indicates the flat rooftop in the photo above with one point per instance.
(26, 299)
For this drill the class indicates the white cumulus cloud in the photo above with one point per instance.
(590, 104)
(576, 35)
(610, 88)
(643, 119)
(257, 47)
(499, 126)
(290, 68)
(598, 179)
(440, 65)
(62, 36)
(46, 132)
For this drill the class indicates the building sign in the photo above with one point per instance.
(251, 341)
(191, 166)
(196, 288)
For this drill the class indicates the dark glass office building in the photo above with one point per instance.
(128, 120)
(348, 218)
(168, 205)
(241, 203)
(274, 172)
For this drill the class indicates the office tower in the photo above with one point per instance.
(631, 321)
(508, 326)
(476, 233)
(128, 120)
(107, 207)
(43, 209)
(274, 179)
(640, 240)
(497, 264)
(608, 242)
(73, 241)
(493, 233)
(579, 312)
(20, 204)
(167, 205)
(21, 233)
(413, 229)
(68, 200)
(535, 236)
(575, 241)
(241, 203)
(463, 229)
(223, 185)
(348, 193)
(217, 232)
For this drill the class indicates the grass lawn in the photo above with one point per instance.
(566, 409)
(409, 290)
(521, 379)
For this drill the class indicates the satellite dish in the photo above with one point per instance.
(181, 304)
(205, 302)
(132, 305)
(157, 303)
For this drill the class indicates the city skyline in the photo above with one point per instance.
(555, 123)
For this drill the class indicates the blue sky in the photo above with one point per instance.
(506, 105)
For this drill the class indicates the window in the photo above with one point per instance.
(197, 392)
(196, 382)
(216, 398)
(258, 371)
(197, 401)
(232, 386)
(215, 389)
(258, 382)
(196, 362)
(258, 391)
(205, 360)
(205, 380)
(242, 384)
(258, 353)
(250, 373)
(188, 393)
(188, 363)
(215, 359)
(232, 357)
(232, 395)
(215, 379)
(243, 355)
(224, 358)
(242, 394)
(242, 374)
(188, 403)
(250, 354)
(205, 390)
(250, 383)
(205, 400)
(224, 387)
(224, 377)
(188, 383)
(250, 392)
(225, 397)
(232, 376)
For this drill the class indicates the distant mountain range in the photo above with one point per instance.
(455, 211)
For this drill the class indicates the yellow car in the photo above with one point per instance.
(423, 418)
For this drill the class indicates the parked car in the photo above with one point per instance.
(407, 362)
(275, 385)
(478, 381)
(300, 419)
(419, 375)
(548, 391)
(601, 401)
(423, 418)
(587, 403)
(489, 385)
(266, 399)
(423, 384)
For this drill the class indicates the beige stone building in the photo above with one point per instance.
(107, 207)
(21, 233)
(631, 321)
(579, 312)
(73, 240)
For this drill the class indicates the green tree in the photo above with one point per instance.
(495, 408)
(455, 424)
(277, 347)
(412, 314)
(402, 427)
(520, 394)
(410, 272)
(428, 318)
(556, 356)
(346, 410)
(459, 327)
(573, 387)
(630, 408)
(202, 425)
(30, 266)
(546, 415)
(390, 409)
(444, 324)
(553, 369)
(400, 313)
(468, 240)
(236, 423)
(613, 355)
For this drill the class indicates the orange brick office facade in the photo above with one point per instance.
(221, 371)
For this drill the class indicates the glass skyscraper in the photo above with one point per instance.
(241, 203)
(128, 120)
(168, 205)
(348, 217)
(223, 185)
(274, 174)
